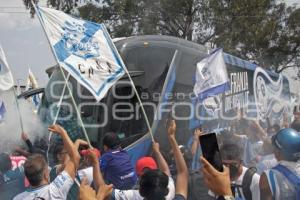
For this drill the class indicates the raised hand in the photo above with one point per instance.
(104, 191)
(24, 136)
(55, 128)
(218, 182)
(172, 128)
(86, 192)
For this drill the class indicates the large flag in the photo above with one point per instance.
(6, 78)
(84, 49)
(211, 76)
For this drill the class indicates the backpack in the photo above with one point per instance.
(246, 183)
(1, 178)
(291, 177)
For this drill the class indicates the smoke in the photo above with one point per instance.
(10, 127)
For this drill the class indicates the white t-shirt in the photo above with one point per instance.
(135, 195)
(254, 186)
(57, 190)
(86, 172)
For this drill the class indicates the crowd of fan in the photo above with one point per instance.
(258, 164)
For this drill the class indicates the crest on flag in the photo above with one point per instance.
(73, 38)
(211, 76)
(6, 78)
(84, 49)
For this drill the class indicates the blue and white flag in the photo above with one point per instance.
(84, 49)
(6, 78)
(211, 76)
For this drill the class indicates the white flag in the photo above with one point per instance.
(31, 81)
(33, 84)
(211, 76)
(84, 49)
(6, 78)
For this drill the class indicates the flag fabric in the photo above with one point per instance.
(31, 81)
(32, 84)
(84, 49)
(6, 78)
(211, 76)
(2, 110)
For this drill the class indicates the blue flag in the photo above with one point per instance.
(2, 110)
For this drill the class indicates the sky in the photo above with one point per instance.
(24, 41)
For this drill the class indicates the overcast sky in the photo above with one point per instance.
(24, 42)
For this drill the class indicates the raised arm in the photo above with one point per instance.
(97, 176)
(217, 182)
(72, 165)
(195, 144)
(265, 191)
(182, 171)
(162, 163)
(25, 138)
(262, 133)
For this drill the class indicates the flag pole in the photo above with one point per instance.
(61, 99)
(18, 108)
(64, 76)
(133, 86)
(57, 113)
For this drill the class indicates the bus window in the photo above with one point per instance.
(154, 61)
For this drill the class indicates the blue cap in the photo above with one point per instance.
(287, 141)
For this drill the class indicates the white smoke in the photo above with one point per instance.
(10, 127)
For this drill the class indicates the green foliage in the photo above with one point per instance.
(256, 30)
(264, 31)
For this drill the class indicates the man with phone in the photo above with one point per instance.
(244, 181)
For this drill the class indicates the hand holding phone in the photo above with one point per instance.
(210, 150)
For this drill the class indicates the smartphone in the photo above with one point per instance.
(210, 150)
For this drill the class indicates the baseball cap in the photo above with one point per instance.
(145, 162)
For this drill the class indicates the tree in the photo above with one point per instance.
(170, 17)
(120, 16)
(258, 30)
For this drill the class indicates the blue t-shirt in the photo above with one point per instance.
(117, 169)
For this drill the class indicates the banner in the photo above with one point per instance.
(6, 78)
(254, 93)
(211, 75)
(84, 49)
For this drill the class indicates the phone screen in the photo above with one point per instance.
(210, 150)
